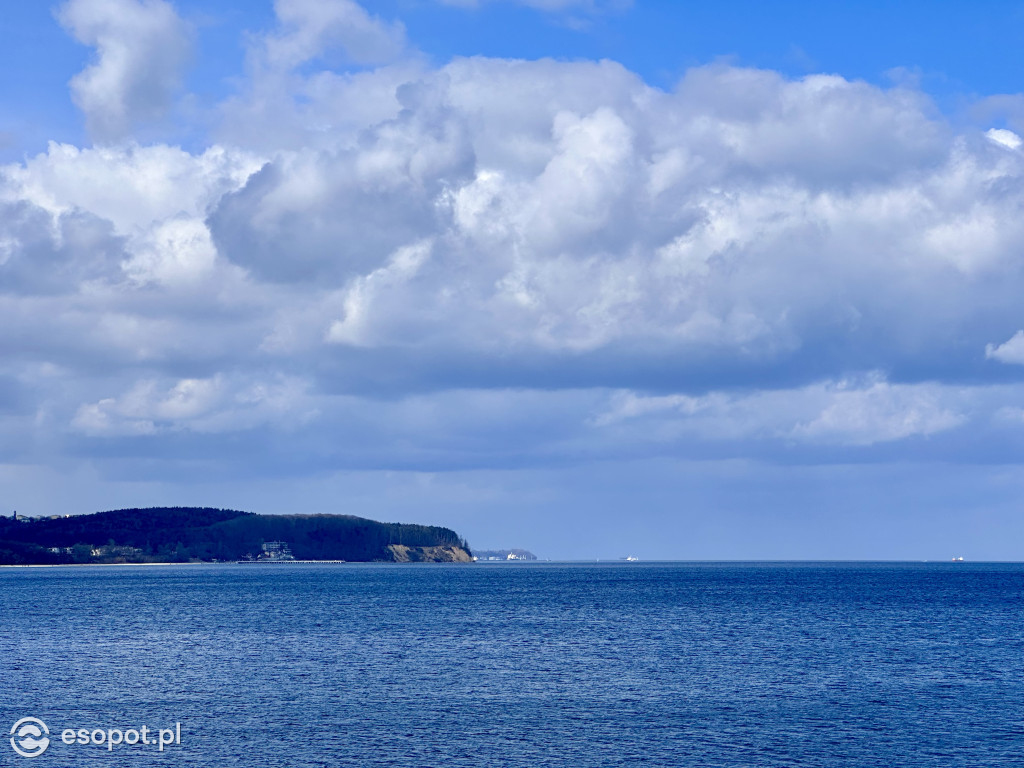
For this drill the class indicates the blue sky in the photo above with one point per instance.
(588, 277)
(956, 51)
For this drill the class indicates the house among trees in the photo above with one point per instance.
(276, 550)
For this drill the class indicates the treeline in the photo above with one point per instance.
(181, 534)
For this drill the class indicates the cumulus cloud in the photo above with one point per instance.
(142, 47)
(132, 187)
(403, 266)
(310, 28)
(45, 254)
(514, 261)
(742, 214)
(300, 91)
(1010, 351)
(177, 250)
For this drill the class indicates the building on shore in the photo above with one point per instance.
(276, 550)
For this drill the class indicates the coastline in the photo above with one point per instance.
(239, 562)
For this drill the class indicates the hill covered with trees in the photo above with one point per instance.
(188, 534)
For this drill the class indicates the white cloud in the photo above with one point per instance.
(359, 297)
(841, 413)
(212, 405)
(142, 47)
(879, 413)
(299, 93)
(430, 257)
(1010, 351)
(130, 186)
(310, 28)
(1005, 138)
(573, 207)
(46, 254)
(176, 251)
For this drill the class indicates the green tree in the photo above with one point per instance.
(181, 555)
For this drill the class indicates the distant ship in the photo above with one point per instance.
(958, 559)
(632, 559)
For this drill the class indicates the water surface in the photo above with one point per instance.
(617, 664)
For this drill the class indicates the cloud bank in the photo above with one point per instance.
(492, 264)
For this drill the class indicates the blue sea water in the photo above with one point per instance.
(619, 664)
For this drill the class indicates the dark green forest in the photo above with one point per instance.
(186, 534)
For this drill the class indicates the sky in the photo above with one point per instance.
(593, 278)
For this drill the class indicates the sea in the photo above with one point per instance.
(894, 665)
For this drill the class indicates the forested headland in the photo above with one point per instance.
(203, 534)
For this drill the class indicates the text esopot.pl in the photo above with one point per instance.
(30, 737)
(164, 737)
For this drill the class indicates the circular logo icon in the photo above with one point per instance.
(29, 737)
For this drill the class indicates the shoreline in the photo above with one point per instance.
(232, 562)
